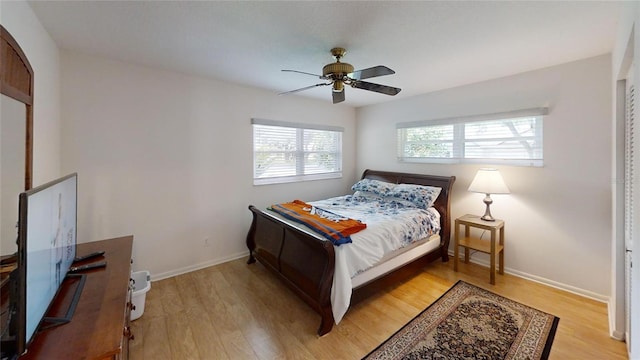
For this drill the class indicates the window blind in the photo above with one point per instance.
(287, 152)
(503, 138)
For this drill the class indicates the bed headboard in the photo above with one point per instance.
(443, 202)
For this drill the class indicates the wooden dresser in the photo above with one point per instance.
(99, 328)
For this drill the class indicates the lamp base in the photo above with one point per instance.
(487, 218)
(487, 213)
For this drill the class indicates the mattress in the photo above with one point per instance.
(395, 259)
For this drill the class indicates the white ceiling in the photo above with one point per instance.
(431, 45)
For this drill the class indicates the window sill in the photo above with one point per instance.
(298, 178)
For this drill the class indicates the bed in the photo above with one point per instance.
(312, 266)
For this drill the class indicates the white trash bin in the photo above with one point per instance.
(141, 284)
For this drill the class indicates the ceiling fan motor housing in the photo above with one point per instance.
(337, 69)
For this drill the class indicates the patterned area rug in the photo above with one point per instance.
(468, 322)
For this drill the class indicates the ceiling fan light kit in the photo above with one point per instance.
(339, 73)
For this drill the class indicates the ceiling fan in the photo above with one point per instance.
(339, 74)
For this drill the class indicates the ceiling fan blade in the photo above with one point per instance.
(379, 70)
(304, 88)
(338, 96)
(383, 89)
(306, 73)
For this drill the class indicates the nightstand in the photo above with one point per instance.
(494, 247)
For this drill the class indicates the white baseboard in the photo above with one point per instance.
(198, 266)
(613, 333)
(538, 279)
(544, 281)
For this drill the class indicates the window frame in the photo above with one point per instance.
(459, 140)
(299, 153)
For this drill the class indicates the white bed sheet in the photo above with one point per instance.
(365, 252)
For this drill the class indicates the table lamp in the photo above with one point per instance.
(488, 181)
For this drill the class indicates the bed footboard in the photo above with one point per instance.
(304, 262)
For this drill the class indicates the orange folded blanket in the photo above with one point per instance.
(330, 225)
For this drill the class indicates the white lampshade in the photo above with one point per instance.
(488, 181)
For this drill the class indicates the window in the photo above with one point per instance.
(513, 138)
(288, 152)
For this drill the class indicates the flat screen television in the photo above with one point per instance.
(47, 222)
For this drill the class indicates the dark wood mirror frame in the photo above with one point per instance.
(16, 82)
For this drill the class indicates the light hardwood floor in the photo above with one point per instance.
(240, 311)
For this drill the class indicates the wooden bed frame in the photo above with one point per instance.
(306, 263)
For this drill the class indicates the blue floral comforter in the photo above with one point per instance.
(404, 221)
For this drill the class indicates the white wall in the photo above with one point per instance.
(168, 158)
(558, 217)
(18, 18)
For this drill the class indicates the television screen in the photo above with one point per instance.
(46, 248)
